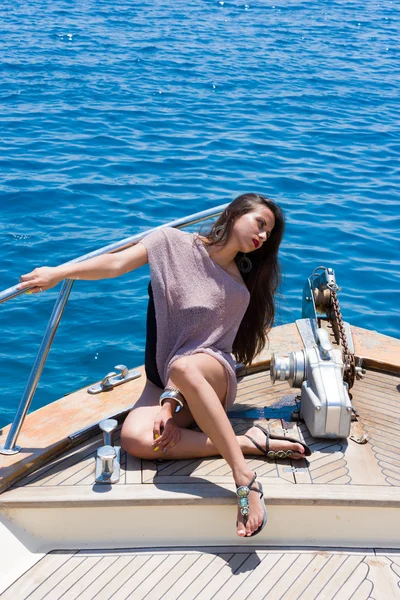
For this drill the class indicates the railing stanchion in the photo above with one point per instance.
(9, 447)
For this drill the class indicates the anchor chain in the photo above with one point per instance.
(348, 357)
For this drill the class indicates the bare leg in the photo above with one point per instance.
(137, 434)
(202, 381)
(193, 376)
(196, 444)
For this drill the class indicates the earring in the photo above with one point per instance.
(219, 233)
(245, 265)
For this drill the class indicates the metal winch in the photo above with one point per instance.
(324, 373)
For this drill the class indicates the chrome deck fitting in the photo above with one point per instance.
(108, 456)
(113, 379)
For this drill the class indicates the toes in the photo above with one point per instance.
(299, 448)
(297, 456)
(298, 452)
(252, 527)
(249, 528)
(284, 446)
(241, 529)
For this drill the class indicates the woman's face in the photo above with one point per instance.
(254, 228)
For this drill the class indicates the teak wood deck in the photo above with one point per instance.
(47, 432)
(175, 519)
(375, 464)
(235, 573)
(212, 574)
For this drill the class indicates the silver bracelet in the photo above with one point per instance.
(174, 394)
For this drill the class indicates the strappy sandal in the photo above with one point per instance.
(242, 492)
(278, 453)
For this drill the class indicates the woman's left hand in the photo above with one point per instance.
(166, 432)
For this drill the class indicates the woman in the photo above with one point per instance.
(210, 299)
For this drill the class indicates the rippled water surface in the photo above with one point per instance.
(117, 116)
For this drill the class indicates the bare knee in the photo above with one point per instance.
(137, 440)
(190, 373)
(184, 371)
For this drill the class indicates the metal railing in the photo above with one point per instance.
(10, 447)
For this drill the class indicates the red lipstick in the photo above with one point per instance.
(256, 242)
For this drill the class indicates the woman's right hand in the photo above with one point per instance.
(166, 432)
(42, 278)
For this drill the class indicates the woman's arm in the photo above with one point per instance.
(99, 267)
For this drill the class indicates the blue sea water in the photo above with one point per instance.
(118, 116)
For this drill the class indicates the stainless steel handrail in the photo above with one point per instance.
(13, 292)
(10, 447)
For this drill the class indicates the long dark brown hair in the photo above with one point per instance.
(263, 279)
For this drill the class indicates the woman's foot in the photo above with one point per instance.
(248, 525)
(274, 445)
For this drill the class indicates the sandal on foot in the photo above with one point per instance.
(278, 453)
(242, 492)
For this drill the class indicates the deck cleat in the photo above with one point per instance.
(108, 455)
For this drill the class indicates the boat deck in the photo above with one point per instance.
(333, 462)
(345, 494)
(231, 573)
(167, 529)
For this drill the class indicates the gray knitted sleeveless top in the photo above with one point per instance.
(198, 305)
